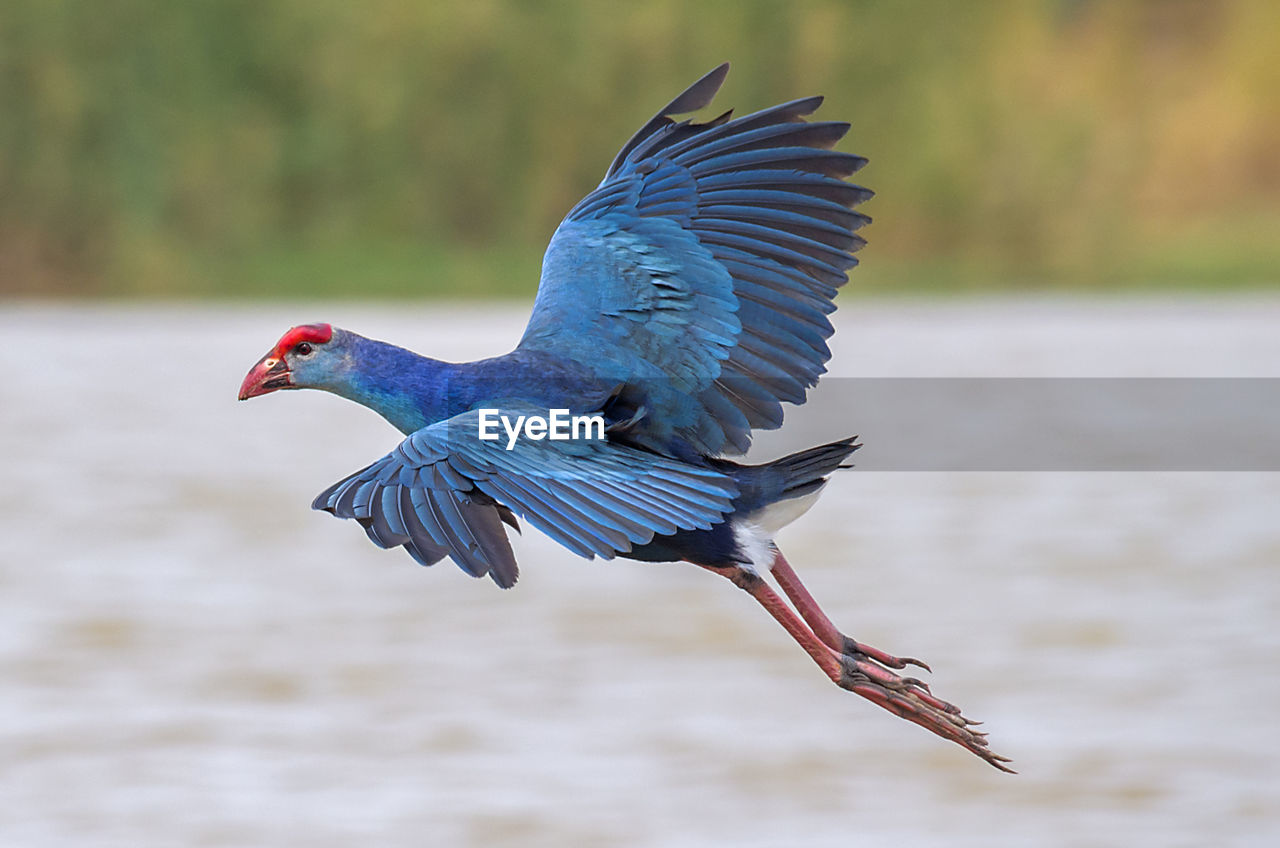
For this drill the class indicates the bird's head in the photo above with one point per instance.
(306, 357)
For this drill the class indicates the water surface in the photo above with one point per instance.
(191, 657)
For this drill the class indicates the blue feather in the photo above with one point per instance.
(685, 300)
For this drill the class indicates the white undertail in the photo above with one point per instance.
(753, 534)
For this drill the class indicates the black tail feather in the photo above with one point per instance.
(808, 469)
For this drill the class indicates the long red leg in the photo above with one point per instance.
(858, 673)
(864, 658)
(828, 660)
(822, 626)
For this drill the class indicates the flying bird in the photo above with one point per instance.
(681, 303)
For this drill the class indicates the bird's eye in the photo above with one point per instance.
(303, 348)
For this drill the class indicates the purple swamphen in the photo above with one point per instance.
(682, 302)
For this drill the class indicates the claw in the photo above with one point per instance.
(882, 676)
(852, 647)
(860, 668)
(907, 697)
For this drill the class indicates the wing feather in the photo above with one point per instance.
(700, 274)
(444, 492)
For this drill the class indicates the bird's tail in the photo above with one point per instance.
(806, 471)
(776, 493)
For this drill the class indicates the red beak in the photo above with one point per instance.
(271, 373)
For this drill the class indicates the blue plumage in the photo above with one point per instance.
(681, 304)
(444, 492)
(684, 300)
(709, 255)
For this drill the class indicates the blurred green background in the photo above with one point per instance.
(313, 147)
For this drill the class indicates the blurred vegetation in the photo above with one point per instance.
(316, 147)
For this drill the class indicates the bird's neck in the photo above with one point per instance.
(413, 391)
(409, 390)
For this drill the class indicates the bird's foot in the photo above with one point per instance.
(866, 672)
(857, 648)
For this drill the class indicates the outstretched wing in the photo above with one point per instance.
(445, 492)
(701, 272)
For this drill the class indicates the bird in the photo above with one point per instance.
(681, 303)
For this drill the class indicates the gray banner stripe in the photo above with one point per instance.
(1043, 424)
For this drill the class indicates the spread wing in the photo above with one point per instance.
(700, 273)
(445, 492)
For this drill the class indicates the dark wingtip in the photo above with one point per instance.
(321, 501)
(700, 94)
(695, 97)
(502, 579)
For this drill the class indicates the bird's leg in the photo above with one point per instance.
(860, 672)
(822, 626)
(861, 660)
(827, 659)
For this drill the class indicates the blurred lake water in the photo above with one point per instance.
(190, 656)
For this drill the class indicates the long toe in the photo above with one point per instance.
(908, 698)
(852, 647)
